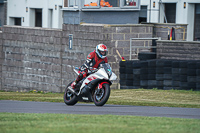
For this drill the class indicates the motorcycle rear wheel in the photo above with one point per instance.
(69, 97)
(101, 97)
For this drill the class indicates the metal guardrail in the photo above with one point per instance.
(139, 47)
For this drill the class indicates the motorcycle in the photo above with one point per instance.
(93, 88)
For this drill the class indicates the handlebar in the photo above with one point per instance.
(92, 70)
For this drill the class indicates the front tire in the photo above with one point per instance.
(69, 97)
(101, 96)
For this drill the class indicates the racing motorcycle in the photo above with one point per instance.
(93, 88)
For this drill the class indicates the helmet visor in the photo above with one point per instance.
(103, 53)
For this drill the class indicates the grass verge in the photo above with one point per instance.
(60, 123)
(139, 97)
(154, 97)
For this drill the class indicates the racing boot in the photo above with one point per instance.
(73, 85)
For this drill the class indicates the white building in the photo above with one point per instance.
(35, 13)
(176, 11)
(48, 13)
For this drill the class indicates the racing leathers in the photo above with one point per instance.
(93, 61)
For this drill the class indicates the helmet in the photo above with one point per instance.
(101, 48)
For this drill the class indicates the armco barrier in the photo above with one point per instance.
(161, 74)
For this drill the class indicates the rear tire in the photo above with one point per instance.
(100, 98)
(69, 97)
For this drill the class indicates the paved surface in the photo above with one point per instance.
(48, 107)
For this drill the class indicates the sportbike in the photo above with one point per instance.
(93, 88)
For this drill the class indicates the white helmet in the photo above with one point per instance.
(101, 48)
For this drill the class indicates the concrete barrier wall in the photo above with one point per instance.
(85, 39)
(162, 30)
(87, 36)
(1, 57)
(32, 59)
(180, 50)
(39, 58)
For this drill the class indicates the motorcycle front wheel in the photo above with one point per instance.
(69, 97)
(101, 96)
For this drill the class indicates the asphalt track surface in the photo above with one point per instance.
(61, 108)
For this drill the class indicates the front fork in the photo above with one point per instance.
(100, 86)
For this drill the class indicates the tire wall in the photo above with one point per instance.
(161, 74)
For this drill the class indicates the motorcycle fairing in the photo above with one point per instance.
(100, 74)
(113, 77)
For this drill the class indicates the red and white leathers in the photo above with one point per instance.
(94, 61)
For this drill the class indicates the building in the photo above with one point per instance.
(134, 12)
(101, 11)
(3, 8)
(35, 13)
(53, 13)
(176, 11)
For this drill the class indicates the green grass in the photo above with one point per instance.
(58, 123)
(138, 97)
(32, 96)
(68, 123)
(164, 98)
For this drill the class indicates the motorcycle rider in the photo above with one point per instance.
(94, 59)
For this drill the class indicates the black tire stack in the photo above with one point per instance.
(183, 75)
(198, 76)
(144, 75)
(161, 74)
(175, 75)
(146, 55)
(167, 75)
(122, 74)
(129, 74)
(191, 74)
(136, 65)
(152, 83)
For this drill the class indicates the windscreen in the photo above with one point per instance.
(107, 68)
